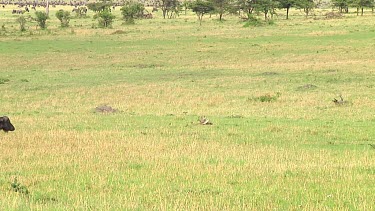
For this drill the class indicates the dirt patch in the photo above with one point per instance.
(105, 109)
(118, 32)
(333, 15)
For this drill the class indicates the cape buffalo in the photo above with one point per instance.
(5, 124)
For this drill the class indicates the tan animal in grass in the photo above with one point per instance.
(340, 102)
(204, 121)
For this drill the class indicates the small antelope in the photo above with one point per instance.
(339, 102)
(204, 121)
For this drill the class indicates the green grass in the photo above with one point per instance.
(295, 151)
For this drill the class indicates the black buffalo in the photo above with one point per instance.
(5, 124)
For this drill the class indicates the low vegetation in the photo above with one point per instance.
(64, 17)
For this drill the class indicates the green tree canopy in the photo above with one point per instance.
(202, 7)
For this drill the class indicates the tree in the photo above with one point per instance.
(341, 5)
(247, 6)
(103, 13)
(202, 7)
(64, 17)
(132, 10)
(169, 7)
(221, 6)
(306, 5)
(361, 4)
(286, 4)
(266, 7)
(41, 18)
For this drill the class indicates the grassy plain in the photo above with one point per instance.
(297, 152)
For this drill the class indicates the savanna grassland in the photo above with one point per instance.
(277, 139)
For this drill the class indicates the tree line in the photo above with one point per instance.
(247, 9)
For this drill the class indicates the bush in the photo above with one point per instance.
(266, 98)
(41, 18)
(64, 17)
(3, 80)
(253, 21)
(132, 10)
(18, 187)
(105, 18)
(22, 21)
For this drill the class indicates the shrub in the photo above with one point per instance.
(22, 21)
(132, 10)
(267, 98)
(105, 18)
(41, 18)
(18, 187)
(3, 80)
(64, 17)
(253, 21)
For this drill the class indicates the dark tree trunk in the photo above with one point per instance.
(287, 13)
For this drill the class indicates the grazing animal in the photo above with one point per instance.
(339, 102)
(5, 124)
(204, 121)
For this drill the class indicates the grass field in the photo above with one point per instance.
(277, 139)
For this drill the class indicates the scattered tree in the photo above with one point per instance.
(132, 10)
(266, 7)
(361, 4)
(64, 17)
(286, 4)
(306, 5)
(247, 6)
(342, 5)
(202, 7)
(221, 7)
(169, 8)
